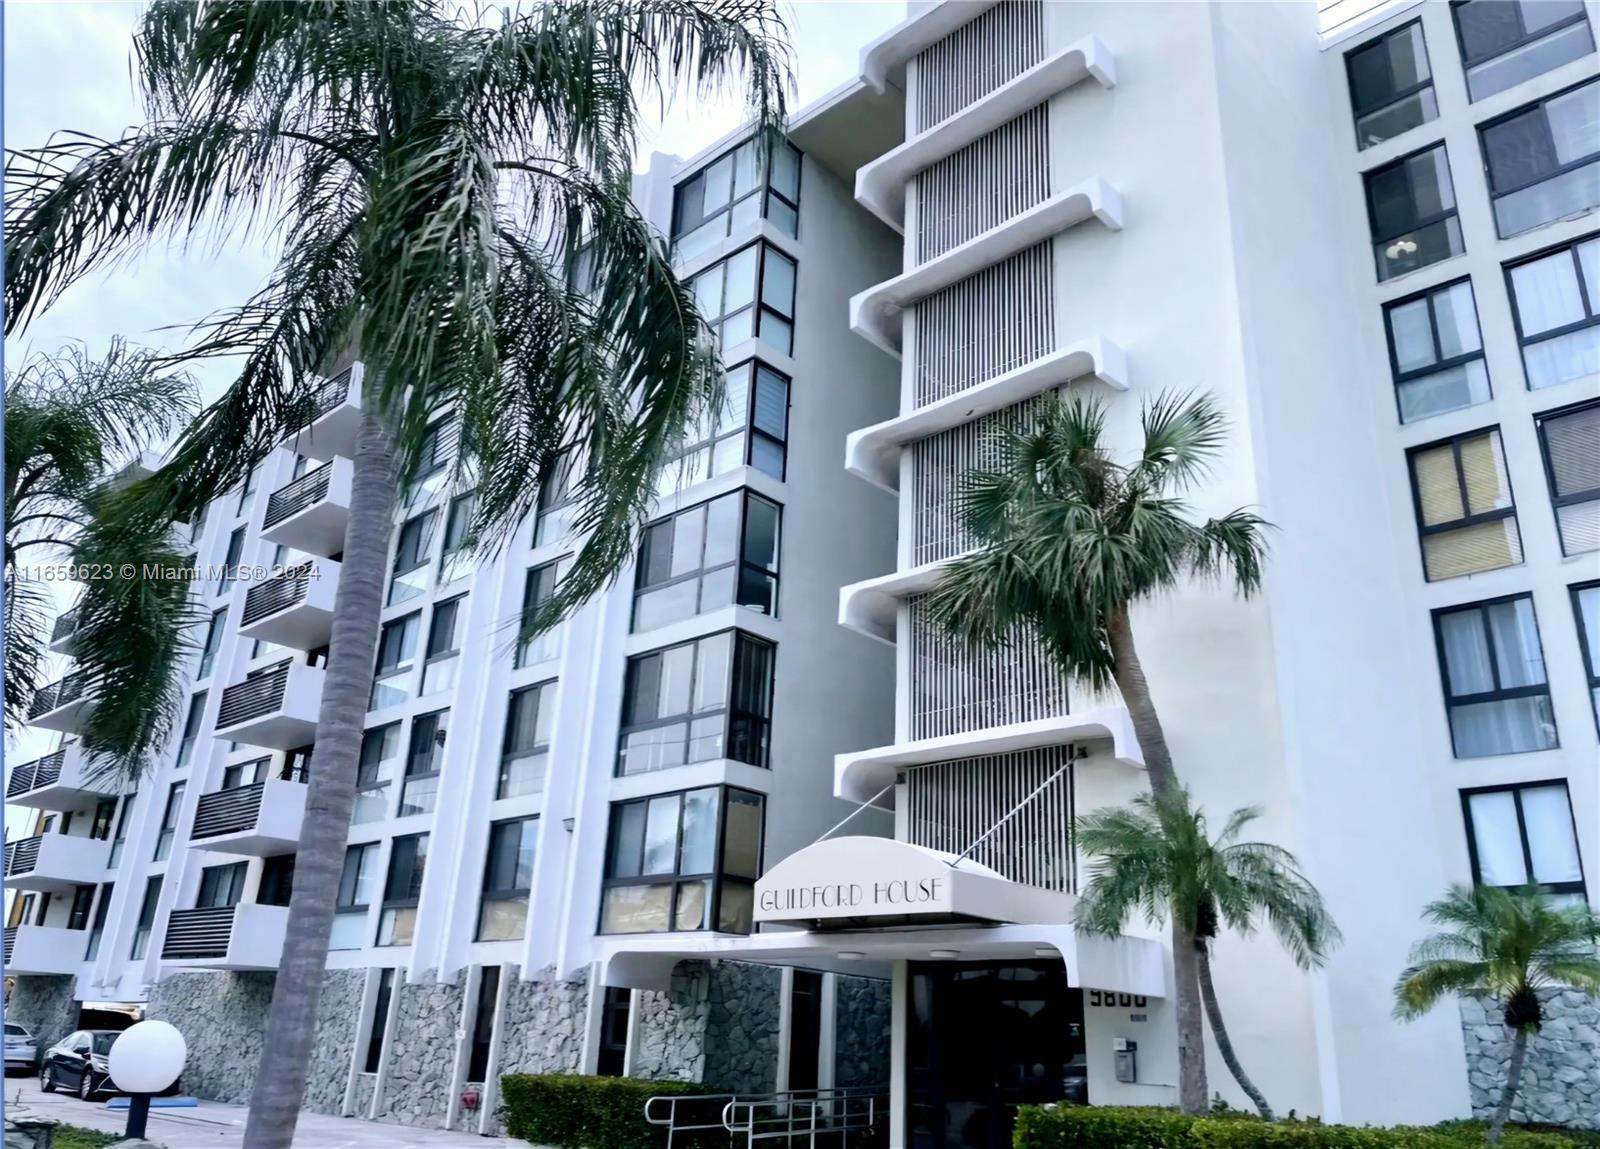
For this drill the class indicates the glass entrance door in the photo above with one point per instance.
(983, 1038)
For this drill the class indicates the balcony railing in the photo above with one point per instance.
(40, 772)
(65, 625)
(11, 942)
(56, 695)
(306, 491)
(236, 810)
(202, 933)
(278, 593)
(254, 697)
(324, 399)
(22, 856)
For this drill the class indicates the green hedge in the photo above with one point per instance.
(572, 1112)
(1097, 1127)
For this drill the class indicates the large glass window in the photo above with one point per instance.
(684, 861)
(169, 821)
(1555, 300)
(483, 1012)
(1494, 678)
(230, 564)
(455, 554)
(729, 300)
(538, 588)
(1571, 441)
(696, 702)
(525, 750)
(1391, 86)
(1518, 835)
(191, 727)
(709, 556)
(433, 457)
(424, 760)
(553, 513)
(1465, 512)
(1586, 605)
(357, 884)
(221, 886)
(729, 193)
(750, 428)
(277, 880)
(411, 557)
(402, 890)
(378, 1031)
(1544, 160)
(147, 917)
(376, 770)
(97, 927)
(442, 658)
(1504, 42)
(244, 773)
(1411, 205)
(397, 658)
(507, 880)
(208, 651)
(1436, 352)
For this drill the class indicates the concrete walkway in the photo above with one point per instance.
(216, 1126)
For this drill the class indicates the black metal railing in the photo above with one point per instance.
(65, 625)
(277, 594)
(198, 934)
(22, 856)
(44, 771)
(328, 396)
(227, 811)
(254, 696)
(11, 942)
(309, 489)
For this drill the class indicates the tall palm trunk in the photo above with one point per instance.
(286, 1047)
(1208, 993)
(1502, 1113)
(1129, 675)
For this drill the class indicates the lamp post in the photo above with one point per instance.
(145, 1059)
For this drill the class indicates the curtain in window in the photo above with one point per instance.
(1494, 832)
(1548, 818)
(1516, 643)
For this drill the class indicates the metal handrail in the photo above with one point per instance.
(32, 775)
(807, 1117)
(275, 594)
(292, 498)
(10, 942)
(198, 933)
(23, 856)
(254, 696)
(65, 625)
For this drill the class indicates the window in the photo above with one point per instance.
(729, 193)
(100, 820)
(411, 555)
(1555, 301)
(1586, 605)
(1518, 835)
(615, 1009)
(710, 556)
(1411, 205)
(1465, 512)
(1436, 352)
(525, 751)
(483, 1024)
(380, 1020)
(553, 510)
(208, 652)
(507, 880)
(97, 928)
(1504, 42)
(120, 838)
(397, 652)
(805, 1028)
(78, 912)
(456, 555)
(356, 886)
(230, 564)
(683, 861)
(296, 764)
(727, 297)
(1544, 160)
(1494, 678)
(538, 589)
(246, 492)
(433, 456)
(696, 702)
(221, 886)
(1570, 439)
(441, 658)
(402, 890)
(169, 821)
(1391, 86)
(425, 758)
(750, 428)
(147, 917)
(277, 880)
(191, 728)
(375, 770)
(245, 773)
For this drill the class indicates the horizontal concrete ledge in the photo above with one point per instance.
(871, 606)
(883, 60)
(881, 185)
(875, 313)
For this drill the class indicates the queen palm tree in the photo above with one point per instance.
(1154, 856)
(434, 176)
(1504, 945)
(1069, 539)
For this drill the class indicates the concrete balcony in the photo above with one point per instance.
(60, 706)
(295, 609)
(335, 418)
(310, 513)
(883, 61)
(276, 709)
(60, 781)
(64, 634)
(44, 950)
(56, 862)
(257, 821)
(242, 937)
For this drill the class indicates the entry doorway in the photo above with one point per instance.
(983, 1038)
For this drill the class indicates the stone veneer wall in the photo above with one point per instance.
(1561, 1078)
(741, 1047)
(338, 1021)
(222, 1017)
(45, 1005)
(361, 1100)
(670, 1031)
(421, 1057)
(861, 1031)
(542, 1024)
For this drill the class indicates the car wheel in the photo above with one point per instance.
(47, 1080)
(85, 1086)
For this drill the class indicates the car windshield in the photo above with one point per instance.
(16, 1031)
(102, 1041)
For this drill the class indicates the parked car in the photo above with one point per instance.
(79, 1062)
(22, 1052)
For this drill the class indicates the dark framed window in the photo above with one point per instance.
(78, 911)
(169, 821)
(147, 917)
(1411, 207)
(97, 928)
(376, 769)
(507, 880)
(1569, 439)
(1391, 85)
(552, 513)
(1436, 351)
(483, 1024)
(684, 861)
(750, 428)
(245, 773)
(438, 447)
(357, 885)
(277, 880)
(455, 553)
(247, 491)
(805, 1028)
(708, 556)
(697, 701)
(749, 295)
(537, 589)
(296, 764)
(1586, 606)
(402, 890)
(119, 837)
(397, 658)
(1465, 513)
(208, 651)
(441, 664)
(615, 1009)
(1496, 692)
(1555, 303)
(1543, 160)
(412, 554)
(1504, 42)
(424, 760)
(730, 192)
(525, 749)
(221, 886)
(191, 727)
(230, 564)
(1517, 835)
(100, 819)
(380, 1020)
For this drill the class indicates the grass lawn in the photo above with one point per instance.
(77, 1137)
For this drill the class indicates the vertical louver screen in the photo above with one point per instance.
(984, 184)
(956, 690)
(986, 325)
(977, 58)
(939, 465)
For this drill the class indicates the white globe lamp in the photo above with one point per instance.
(145, 1059)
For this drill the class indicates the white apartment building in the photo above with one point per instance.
(1378, 249)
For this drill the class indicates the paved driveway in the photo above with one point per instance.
(215, 1126)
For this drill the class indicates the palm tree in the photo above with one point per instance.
(438, 178)
(1154, 856)
(1068, 540)
(1505, 945)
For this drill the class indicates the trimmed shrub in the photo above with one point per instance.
(576, 1112)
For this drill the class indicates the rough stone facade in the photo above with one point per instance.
(222, 1017)
(670, 1031)
(45, 1005)
(338, 1020)
(861, 1031)
(422, 1053)
(1561, 1079)
(741, 1048)
(361, 1100)
(543, 1023)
